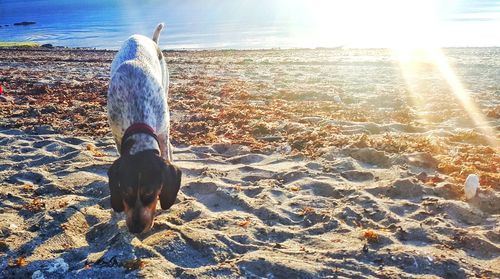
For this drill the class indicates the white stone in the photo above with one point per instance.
(58, 265)
(37, 275)
(471, 186)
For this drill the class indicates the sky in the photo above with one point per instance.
(257, 23)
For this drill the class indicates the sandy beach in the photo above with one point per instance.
(297, 164)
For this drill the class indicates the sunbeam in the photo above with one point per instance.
(408, 62)
(411, 59)
(463, 96)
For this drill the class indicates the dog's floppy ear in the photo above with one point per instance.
(114, 186)
(171, 176)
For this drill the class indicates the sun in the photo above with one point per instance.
(385, 23)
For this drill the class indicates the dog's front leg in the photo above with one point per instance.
(165, 147)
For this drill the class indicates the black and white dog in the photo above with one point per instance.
(140, 123)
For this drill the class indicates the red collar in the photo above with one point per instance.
(136, 128)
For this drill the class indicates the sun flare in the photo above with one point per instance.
(386, 23)
(411, 59)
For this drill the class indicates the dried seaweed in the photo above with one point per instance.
(215, 108)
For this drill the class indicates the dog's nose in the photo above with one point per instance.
(138, 226)
(135, 229)
(138, 229)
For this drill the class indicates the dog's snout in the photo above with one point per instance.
(139, 218)
(138, 225)
(137, 228)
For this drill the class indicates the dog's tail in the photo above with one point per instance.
(156, 34)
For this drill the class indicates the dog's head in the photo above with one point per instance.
(136, 182)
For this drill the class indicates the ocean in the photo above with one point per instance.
(106, 23)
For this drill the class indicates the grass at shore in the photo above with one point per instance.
(19, 44)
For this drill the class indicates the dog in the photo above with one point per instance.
(139, 119)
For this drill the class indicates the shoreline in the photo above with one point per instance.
(53, 46)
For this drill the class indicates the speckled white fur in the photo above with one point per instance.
(138, 93)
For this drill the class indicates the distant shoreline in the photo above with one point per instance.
(31, 45)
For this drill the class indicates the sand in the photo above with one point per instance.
(274, 207)
(239, 214)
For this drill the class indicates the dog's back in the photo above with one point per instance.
(140, 49)
(138, 86)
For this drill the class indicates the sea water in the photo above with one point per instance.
(106, 23)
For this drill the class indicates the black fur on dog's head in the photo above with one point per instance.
(136, 182)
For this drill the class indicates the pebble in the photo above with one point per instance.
(58, 265)
(471, 186)
(37, 275)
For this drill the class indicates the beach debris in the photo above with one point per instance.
(35, 205)
(1, 89)
(471, 186)
(278, 246)
(365, 248)
(169, 233)
(27, 187)
(24, 23)
(62, 204)
(134, 264)
(370, 236)
(245, 223)
(337, 99)
(306, 211)
(95, 152)
(19, 262)
(57, 266)
(401, 233)
(432, 180)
